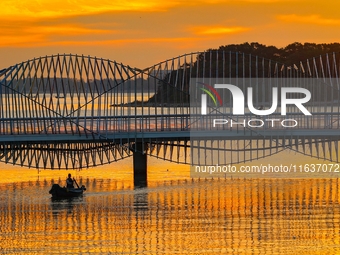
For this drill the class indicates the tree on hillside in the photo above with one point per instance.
(246, 60)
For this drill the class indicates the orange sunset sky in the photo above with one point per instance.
(142, 33)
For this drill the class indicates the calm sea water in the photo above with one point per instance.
(183, 216)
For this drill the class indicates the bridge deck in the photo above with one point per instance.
(178, 135)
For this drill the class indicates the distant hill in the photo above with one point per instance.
(290, 55)
(62, 86)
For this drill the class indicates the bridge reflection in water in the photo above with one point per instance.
(231, 216)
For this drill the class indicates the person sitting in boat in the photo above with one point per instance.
(69, 182)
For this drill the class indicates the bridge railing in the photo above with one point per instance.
(155, 123)
(100, 125)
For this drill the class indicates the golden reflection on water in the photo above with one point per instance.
(220, 216)
(174, 215)
(121, 170)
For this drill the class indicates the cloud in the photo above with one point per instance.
(35, 34)
(45, 22)
(309, 19)
(70, 37)
(218, 30)
(13, 9)
(135, 41)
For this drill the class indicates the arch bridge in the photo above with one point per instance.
(72, 111)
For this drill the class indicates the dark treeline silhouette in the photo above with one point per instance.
(63, 86)
(289, 55)
(252, 60)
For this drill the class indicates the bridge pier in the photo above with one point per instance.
(140, 165)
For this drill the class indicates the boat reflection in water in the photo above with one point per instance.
(62, 205)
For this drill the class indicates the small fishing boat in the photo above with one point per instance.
(63, 192)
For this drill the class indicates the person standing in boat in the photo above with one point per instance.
(69, 182)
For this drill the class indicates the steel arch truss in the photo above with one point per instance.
(71, 111)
